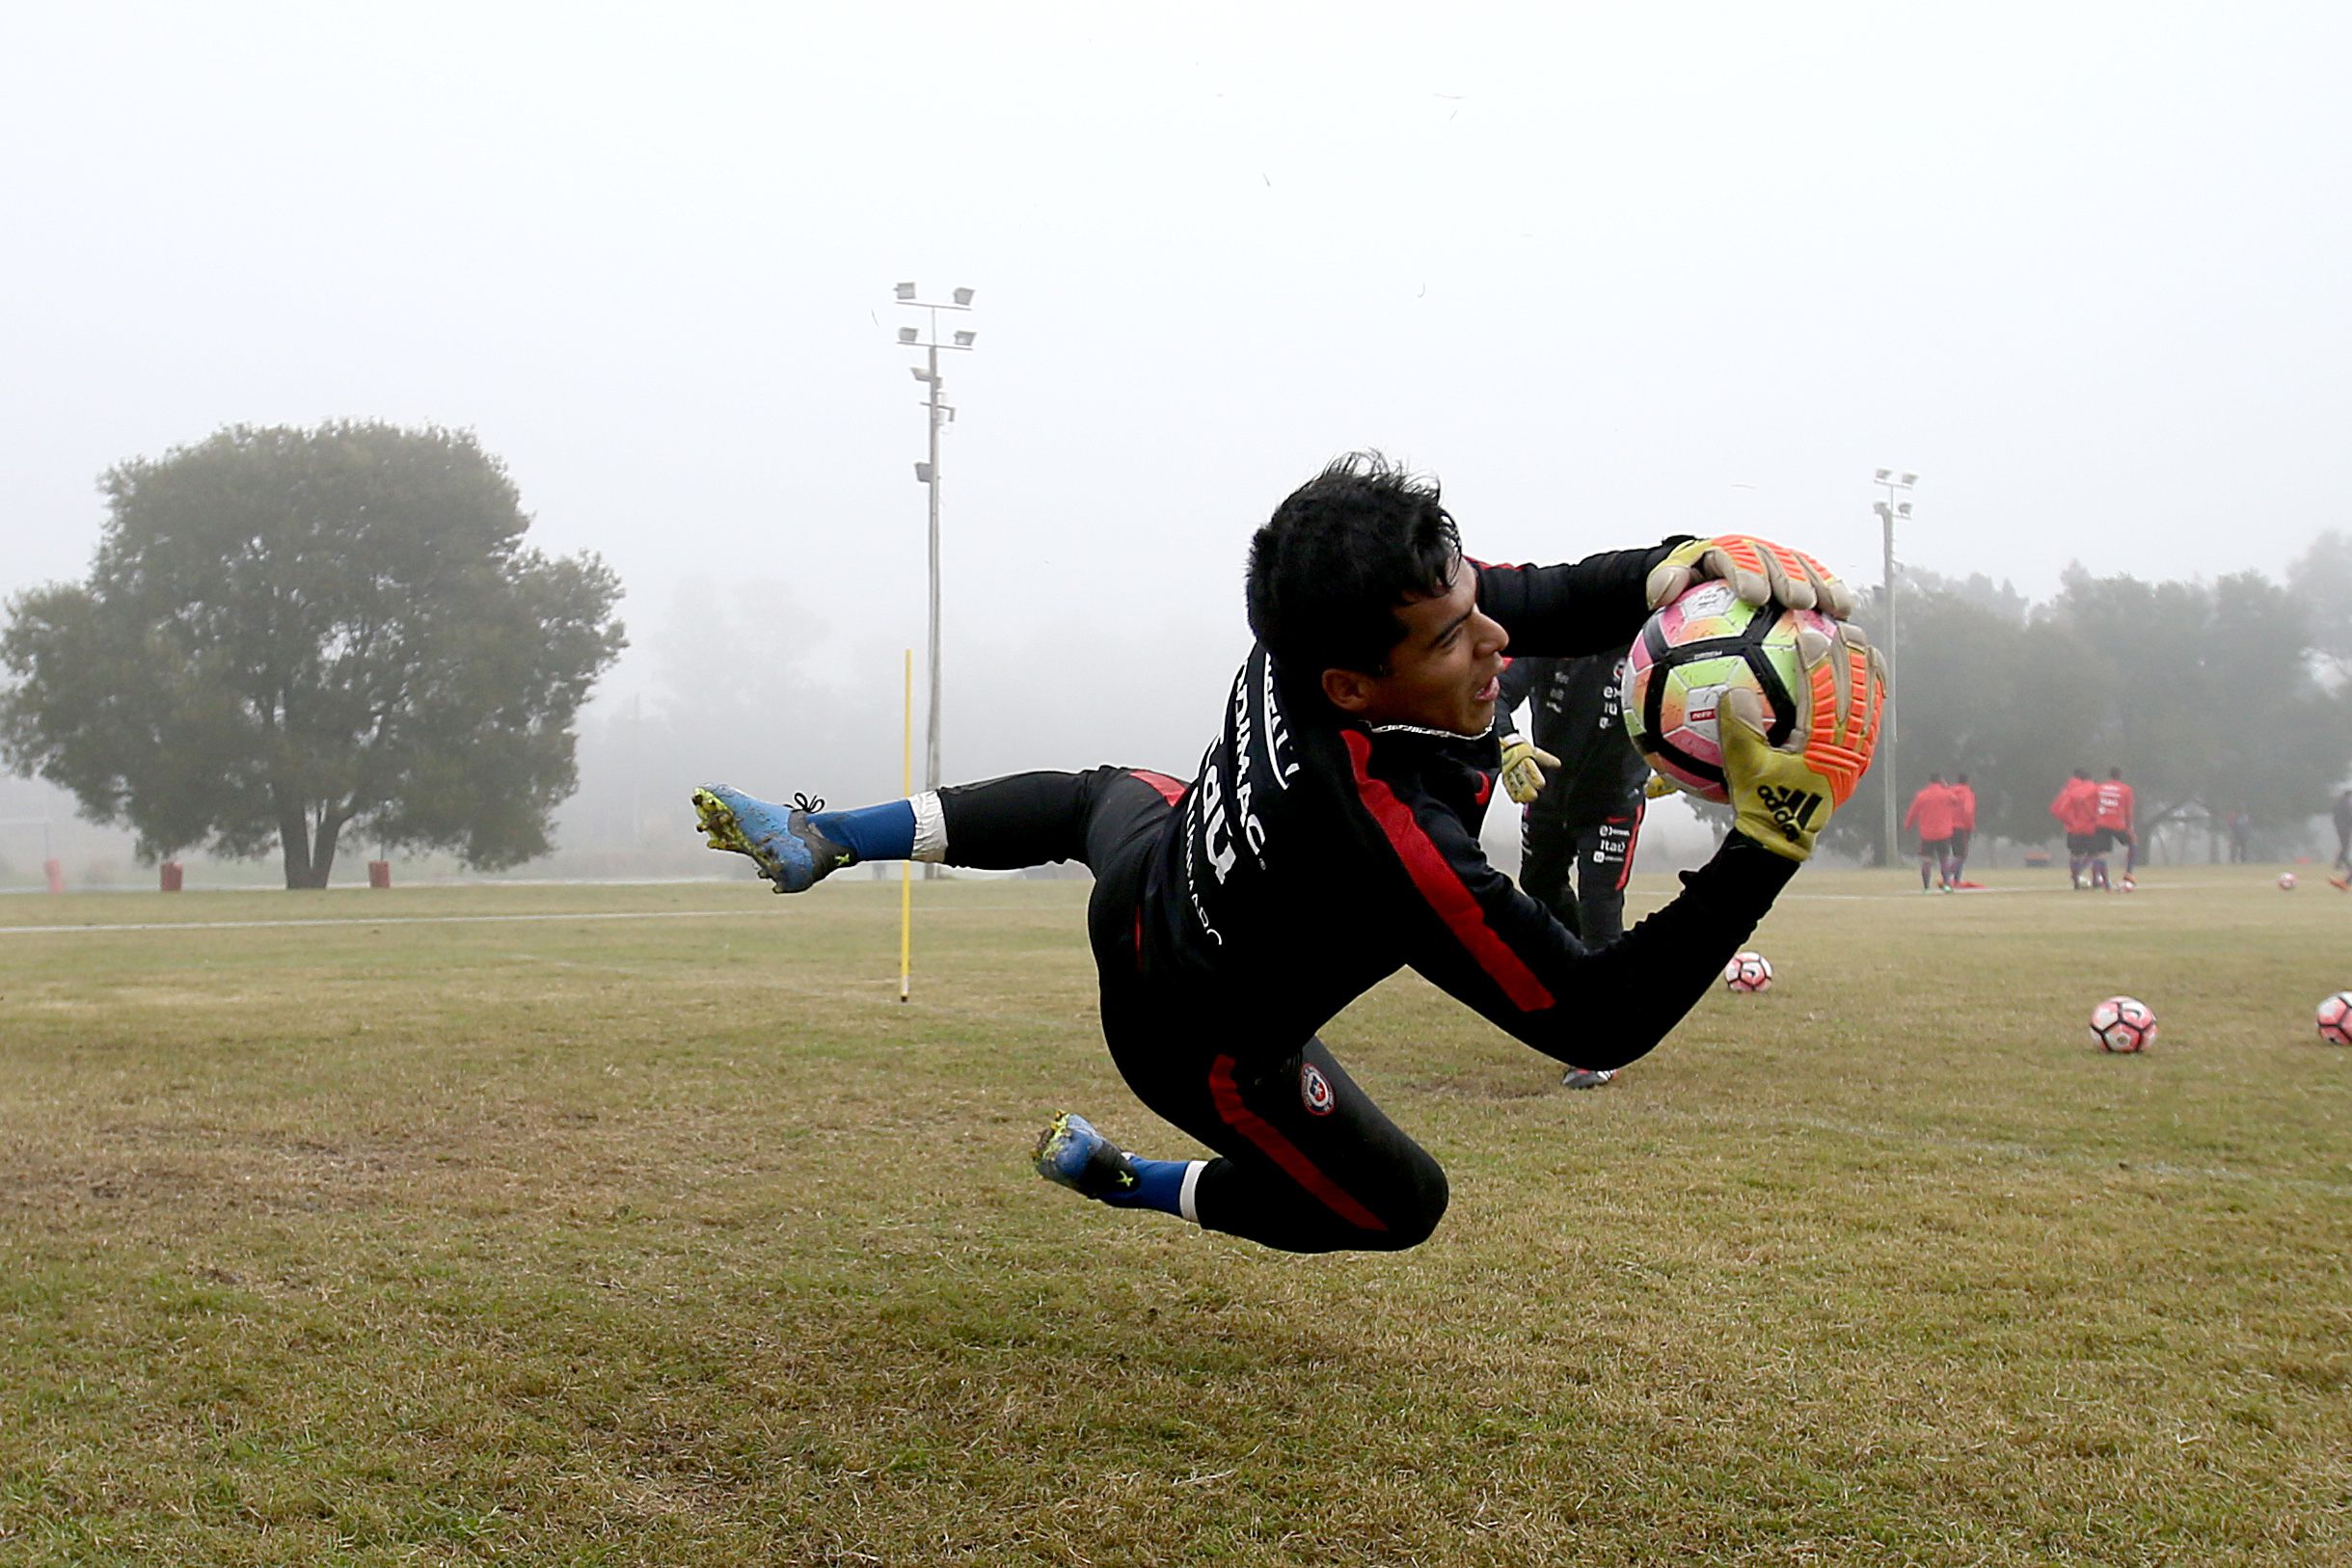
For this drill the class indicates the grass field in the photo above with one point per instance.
(645, 1225)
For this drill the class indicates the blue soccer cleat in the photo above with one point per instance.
(780, 840)
(1070, 1153)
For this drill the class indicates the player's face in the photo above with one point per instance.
(1448, 670)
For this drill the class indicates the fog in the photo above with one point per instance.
(1610, 273)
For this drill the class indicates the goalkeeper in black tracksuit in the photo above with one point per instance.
(1586, 817)
(1331, 838)
(1589, 814)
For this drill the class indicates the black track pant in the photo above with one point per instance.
(1308, 1163)
(1602, 855)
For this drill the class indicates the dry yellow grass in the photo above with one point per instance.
(675, 1238)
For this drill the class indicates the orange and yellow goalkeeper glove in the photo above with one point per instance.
(1757, 570)
(1782, 798)
(1522, 768)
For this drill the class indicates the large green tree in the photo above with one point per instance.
(290, 633)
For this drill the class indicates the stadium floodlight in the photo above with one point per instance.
(927, 473)
(918, 372)
(1889, 480)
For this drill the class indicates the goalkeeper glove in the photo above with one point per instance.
(1757, 570)
(1783, 798)
(1522, 768)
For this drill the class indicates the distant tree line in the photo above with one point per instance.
(2214, 698)
(293, 635)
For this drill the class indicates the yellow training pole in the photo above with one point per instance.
(907, 867)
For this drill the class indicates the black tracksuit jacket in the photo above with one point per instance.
(1314, 855)
(1574, 713)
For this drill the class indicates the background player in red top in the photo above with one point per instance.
(1935, 813)
(2076, 809)
(2111, 825)
(1964, 829)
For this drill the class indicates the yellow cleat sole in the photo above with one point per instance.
(712, 816)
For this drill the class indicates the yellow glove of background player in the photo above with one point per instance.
(1783, 798)
(1757, 570)
(1522, 768)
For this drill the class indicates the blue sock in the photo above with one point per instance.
(883, 832)
(1159, 1185)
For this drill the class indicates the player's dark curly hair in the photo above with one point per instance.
(1341, 556)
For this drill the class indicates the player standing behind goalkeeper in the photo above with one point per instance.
(2076, 808)
(1936, 812)
(1331, 839)
(1584, 814)
(1964, 829)
(2111, 825)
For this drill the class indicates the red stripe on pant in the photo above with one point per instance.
(1633, 836)
(1171, 790)
(1282, 1150)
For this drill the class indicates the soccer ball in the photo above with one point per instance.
(2128, 886)
(2287, 880)
(2336, 1019)
(1749, 973)
(1688, 655)
(2123, 1025)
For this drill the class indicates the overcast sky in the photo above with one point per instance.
(1611, 273)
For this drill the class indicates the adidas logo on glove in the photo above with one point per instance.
(1791, 809)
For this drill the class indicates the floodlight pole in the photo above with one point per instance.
(932, 421)
(935, 414)
(1891, 480)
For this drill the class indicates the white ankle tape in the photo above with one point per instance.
(930, 828)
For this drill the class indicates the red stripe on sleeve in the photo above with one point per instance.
(1442, 885)
(1282, 1150)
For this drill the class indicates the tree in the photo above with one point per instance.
(2321, 583)
(286, 633)
(2204, 694)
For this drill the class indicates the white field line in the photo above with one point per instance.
(1646, 895)
(379, 920)
(755, 912)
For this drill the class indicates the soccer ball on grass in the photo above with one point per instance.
(1748, 973)
(2122, 1024)
(1690, 653)
(2287, 880)
(2336, 1019)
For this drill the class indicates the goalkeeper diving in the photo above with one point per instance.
(1329, 837)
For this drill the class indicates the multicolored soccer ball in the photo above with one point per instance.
(1688, 655)
(2287, 880)
(2122, 1024)
(2336, 1019)
(1749, 973)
